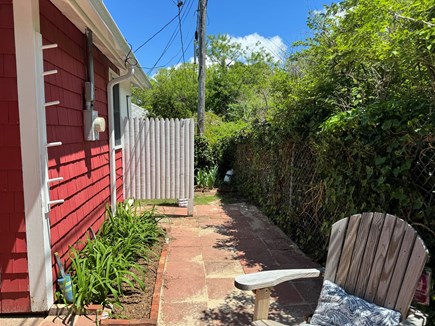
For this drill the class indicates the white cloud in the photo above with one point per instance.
(250, 43)
(255, 42)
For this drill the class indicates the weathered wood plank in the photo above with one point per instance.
(177, 161)
(369, 254)
(168, 159)
(416, 264)
(148, 161)
(157, 166)
(347, 251)
(163, 158)
(262, 299)
(172, 158)
(153, 158)
(126, 159)
(142, 161)
(378, 262)
(390, 262)
(336, 240)
(400, 268)
(358, 252)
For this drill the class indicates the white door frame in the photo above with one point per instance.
(31, 99)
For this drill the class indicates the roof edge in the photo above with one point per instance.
(94, 15)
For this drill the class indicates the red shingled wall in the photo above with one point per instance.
(84, 165)
(14, 291)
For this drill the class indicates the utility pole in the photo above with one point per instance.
(202, 5)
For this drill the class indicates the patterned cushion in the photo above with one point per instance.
(336, 307)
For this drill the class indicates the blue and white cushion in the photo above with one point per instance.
(337, 307)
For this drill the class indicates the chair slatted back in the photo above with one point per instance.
(377, 257)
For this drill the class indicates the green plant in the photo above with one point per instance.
(107, 262)
(139, 230)
(206, 178)
(204, 158)
(98, 272)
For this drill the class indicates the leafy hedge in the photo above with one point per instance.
(366, 158)
(360, 160)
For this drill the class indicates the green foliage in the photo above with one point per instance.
(138, 231)
(366, 158)
(205, 198)
(100, 269)
(354, 107)
(237, 86)
(359, 95)
(206, 179)
(217, 130)
(238, 81)
(203, 156)
(173, 93)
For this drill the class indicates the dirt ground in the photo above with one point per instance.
(137, 302)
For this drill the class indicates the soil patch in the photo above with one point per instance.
(137, 302)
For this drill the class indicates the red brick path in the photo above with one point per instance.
(208, 250)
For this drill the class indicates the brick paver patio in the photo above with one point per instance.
(205, 253)
(208, 250)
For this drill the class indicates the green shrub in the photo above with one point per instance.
(206, 179)
(107, 262)
(99, 270)
(138, 231)
(204, 158)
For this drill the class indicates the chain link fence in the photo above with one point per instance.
(287, 188)
(291, 192)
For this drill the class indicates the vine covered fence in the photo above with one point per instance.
(285, 181)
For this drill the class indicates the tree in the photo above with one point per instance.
(237, 86)
(173, 93)
(238, 83)
(362, 53)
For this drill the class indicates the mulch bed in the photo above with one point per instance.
(138, 303)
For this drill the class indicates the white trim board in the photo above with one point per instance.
(31, 98)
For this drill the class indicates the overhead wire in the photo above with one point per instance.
(156, 33)
(184, 14)
(128, 58)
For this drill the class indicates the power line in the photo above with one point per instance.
(155, 34)
(175, 34)
(129, 59)
(183, 12)
(168, 45)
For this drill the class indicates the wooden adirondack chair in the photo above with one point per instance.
(377, 257)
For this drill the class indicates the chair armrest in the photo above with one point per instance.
(268, 279)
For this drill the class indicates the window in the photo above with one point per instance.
(128, 99)
(117, 115)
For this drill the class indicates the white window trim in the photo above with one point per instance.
(31, 98)
(113, 75)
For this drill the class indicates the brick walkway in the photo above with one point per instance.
(205, 253)
(208, 250)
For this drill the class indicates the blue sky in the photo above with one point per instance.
(275, 23)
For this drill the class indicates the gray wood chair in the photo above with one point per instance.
(377, 257)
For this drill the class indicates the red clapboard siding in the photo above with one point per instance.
(83, 165)
(15, 302)
(14, 295)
